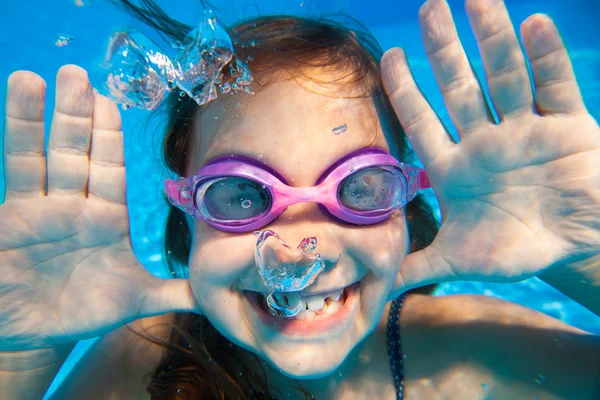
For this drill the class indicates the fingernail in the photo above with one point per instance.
(393, 67)
(540, 34)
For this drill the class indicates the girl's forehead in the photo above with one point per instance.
(294, 130)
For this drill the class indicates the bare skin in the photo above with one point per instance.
(85, 193)
(468, 347)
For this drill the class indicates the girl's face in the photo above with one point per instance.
(291, 130)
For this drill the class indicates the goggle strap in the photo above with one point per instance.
(417, 180)
(179, 193)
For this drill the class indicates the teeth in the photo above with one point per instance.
(335, 296)
(315, 303)
(301, 315)
(332, 307)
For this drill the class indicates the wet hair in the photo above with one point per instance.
(199, 362)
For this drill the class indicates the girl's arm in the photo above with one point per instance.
(115, 366)
(495, 349)
(27, 374)
(580, 281)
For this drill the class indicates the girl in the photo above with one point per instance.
(519, 198)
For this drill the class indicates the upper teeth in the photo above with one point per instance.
(316, 302)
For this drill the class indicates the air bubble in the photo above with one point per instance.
(62, 40)
(138, 74)
(338, 130)
(259, 157)
(207, 49)
(285, 269)
(246, 203)
(225, 87)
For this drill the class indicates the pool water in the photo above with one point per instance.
(41, 35)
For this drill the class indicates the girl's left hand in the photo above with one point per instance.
(518, 196)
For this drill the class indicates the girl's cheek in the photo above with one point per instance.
(381, 247)
(218, 256)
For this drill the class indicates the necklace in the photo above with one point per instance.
(395, 347)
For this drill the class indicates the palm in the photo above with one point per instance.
(73, 263)
(68, 268)
(512, 199)
(518, 196)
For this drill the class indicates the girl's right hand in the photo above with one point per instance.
(67, 268)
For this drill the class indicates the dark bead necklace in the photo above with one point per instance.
(395, 347)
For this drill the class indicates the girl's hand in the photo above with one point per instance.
(518, 196)
(67, 269)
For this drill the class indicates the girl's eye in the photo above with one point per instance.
(372, 189)
(232, 198)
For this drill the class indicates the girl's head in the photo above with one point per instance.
(310, 77)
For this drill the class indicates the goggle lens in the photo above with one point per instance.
(373, 189)
(228, 199)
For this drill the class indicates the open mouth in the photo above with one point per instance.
(321, 312)
(316, 306)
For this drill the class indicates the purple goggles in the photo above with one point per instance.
(239, 194)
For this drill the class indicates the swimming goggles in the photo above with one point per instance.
(240, 194)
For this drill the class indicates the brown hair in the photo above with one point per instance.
(200, 363)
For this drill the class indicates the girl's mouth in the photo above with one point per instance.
(322, 312)
(316, 306)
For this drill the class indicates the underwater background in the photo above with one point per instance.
(42, 35)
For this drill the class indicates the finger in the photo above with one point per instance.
(107, 163)
(503, 60)
(68, 162)
(168, 295)
(556, 88)
(24, 158)
(459, 85)
(421, 124)
(419, 269)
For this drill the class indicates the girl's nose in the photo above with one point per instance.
(287, 268)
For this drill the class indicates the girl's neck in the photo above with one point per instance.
(364, 374)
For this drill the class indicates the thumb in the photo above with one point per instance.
(423, 267)
(169, 295)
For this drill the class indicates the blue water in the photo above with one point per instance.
(27, 34)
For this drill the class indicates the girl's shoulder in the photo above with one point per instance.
(496, 348)
(117, 364)
(468, 309)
